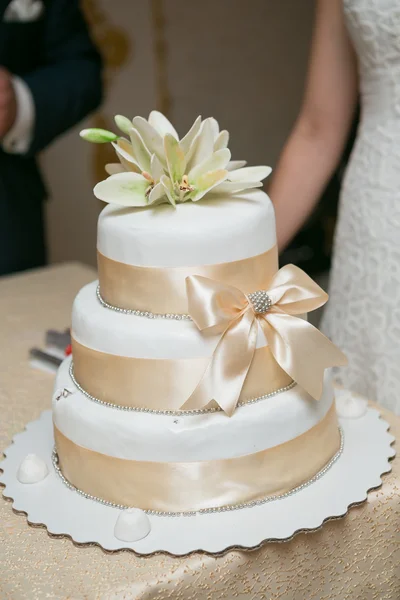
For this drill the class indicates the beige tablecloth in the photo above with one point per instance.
(352, 558)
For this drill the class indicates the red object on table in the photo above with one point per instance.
(68, 350)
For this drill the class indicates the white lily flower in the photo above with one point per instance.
(126, 189)
(155, 166)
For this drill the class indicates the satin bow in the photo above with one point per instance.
(297, 346)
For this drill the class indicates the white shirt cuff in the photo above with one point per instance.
(18, 139)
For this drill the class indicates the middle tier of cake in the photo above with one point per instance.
(125, 360)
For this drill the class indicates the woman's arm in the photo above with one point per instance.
(319, 134)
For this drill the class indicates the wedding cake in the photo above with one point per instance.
(196, 383)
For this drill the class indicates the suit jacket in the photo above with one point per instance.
(57, 59)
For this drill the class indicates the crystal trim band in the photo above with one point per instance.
(226, 508)
(180, 413)
(140, 313)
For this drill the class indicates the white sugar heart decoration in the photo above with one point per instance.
(132, 525)
(349, 406)
(32, 469)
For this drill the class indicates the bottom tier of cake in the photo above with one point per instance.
(174, 463)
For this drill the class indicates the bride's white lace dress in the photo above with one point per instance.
(363, 313)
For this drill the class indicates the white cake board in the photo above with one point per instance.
(367, 448)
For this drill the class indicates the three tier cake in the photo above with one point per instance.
(196, 383)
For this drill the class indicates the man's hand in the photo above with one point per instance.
(8, 102)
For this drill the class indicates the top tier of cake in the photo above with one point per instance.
(181, 241)
(190, 234)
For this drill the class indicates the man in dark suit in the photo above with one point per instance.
(50, 78)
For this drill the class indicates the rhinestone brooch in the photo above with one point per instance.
(260, 301)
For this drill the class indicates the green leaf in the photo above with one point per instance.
(98, 136)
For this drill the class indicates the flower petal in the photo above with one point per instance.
(168, 187)
(151, 138)
(233, 187)
(123, 123)
(114, 168)
(175, 158)
(207, 182)
(216, 161)
(236, 164)
(124, 189)
(222, 140)
(98, 136)
(139, 151)
(214, 127)
(123, 148)
(162, 124)
(156, 168)
(157, 194)
(202, 147)
(250, 174)
(186, 141)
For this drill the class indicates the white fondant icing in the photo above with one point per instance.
(151, 437)
(350, 406)
(132, 525)
(32, 469)
(108, 331)
(194, 233)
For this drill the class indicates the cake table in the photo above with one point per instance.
(355, 557)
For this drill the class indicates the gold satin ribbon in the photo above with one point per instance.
(191, 486)
(163, 384)
(299, 348)
(163, 289)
